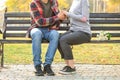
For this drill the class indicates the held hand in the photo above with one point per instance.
(61, 16)
(64, 12)
(53, 27)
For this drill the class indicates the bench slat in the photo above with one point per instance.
(24, 28)
(15, 14)
(92, 15)
(105, 41)
(18, 28)
(112, 28)
(19, 41)
(24, 34)
(13, 21)
(91, 21)
(45, 41)
(104, 21)
(105, 15)
(18, 22)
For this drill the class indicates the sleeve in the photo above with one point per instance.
(85, 11)
(36, 14)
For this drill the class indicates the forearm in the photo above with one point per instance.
(74, 16)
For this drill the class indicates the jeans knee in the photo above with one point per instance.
(35, 33)
(54, 35)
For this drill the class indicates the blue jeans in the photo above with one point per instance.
(37, 34)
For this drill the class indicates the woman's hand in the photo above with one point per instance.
(84, 19)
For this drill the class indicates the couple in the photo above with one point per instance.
(46, 19)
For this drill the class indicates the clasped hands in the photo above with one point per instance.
(63, 15)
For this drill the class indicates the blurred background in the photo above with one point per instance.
(103, 6)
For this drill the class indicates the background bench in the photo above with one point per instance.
(16, 25)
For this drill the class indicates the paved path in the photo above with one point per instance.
(84, 72)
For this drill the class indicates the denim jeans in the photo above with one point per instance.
(37, 35)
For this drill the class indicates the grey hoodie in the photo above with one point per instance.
(80, 9)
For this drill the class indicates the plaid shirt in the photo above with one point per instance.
(38, 20)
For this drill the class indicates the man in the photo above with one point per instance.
(45, 20)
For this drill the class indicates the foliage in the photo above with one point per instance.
(115, 1)
(113, 6)
(23, 5)
(103, 35)
(18, 5)
(63, 4)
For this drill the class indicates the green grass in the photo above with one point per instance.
(85, 53)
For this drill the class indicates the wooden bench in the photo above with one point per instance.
(16, 25)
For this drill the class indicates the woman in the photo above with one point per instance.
(78, 33)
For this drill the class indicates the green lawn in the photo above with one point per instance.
(85, 53)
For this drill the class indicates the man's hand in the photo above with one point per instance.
(64, 12)
(54, 27)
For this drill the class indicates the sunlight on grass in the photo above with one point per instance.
(97, 54)
(85, 53)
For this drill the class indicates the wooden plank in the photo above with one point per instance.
(104, 15)
(15, 35)
(18, 28)
(104, 21)
(111, 28)
(24, 34)
(45, 41)
(92, 15)
(25, 28)
(17, 14)
(28, 22)
(19, 41)
(93, 28)
(105, 41)
(18, 22)
(98, 28)
(66, 22)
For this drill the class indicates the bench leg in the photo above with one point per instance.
(2, 54)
